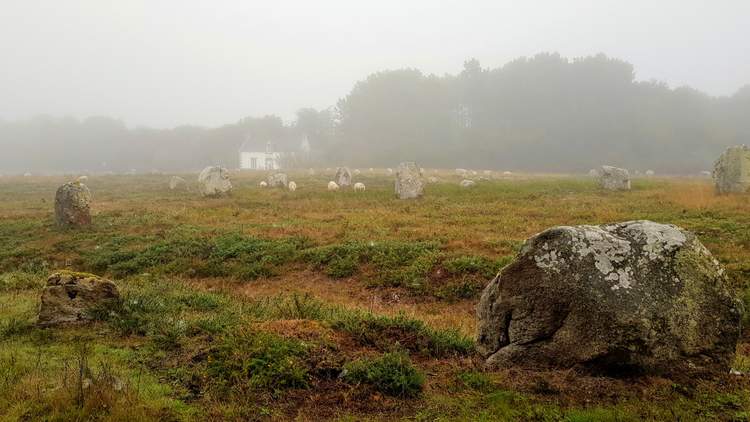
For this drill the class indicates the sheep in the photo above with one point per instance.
(389, 170)
(356, 172)
(332, 186)
(81, 179)
(359, 187)
(263, 184)
(291, 186)
(467, 183)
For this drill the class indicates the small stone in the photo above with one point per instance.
(214, 181)
(177, 182)
(343, 177)
(614, 178)
(409, 183)
(73, 205)
(69, 296)
(278, 180)
(732, 170)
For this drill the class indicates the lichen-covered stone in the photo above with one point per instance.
(343, 177)
(637, 295)
(732, 170)
(69, 296)
(214, 181)
(614, 178)
(278, 180)
(409, 182)
(73, 205)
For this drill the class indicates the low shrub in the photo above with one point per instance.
(258, 361)
(392, 374)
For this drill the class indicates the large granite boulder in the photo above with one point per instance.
(278, 180)
(214, 181)
(69, 296)
(732, 170)
(73, 205)
(409, 182)
(614, 178)
(343, 177)
(636, 296)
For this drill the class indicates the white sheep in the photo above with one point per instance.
(467, 183)
(332, 186)
(263, 184)
(356, 172)
(291, 186)
(389, 170)
(359, 187)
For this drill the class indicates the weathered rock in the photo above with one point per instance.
(409, 182)
(343, 177)
(69, 296)
(637, 296)
(73, 205)
(177, 182)
(278, 180)
(732, 170)
(614, 178)
(214, 181)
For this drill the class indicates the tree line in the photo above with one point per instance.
(544, 113)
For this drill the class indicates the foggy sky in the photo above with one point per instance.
(166, 63)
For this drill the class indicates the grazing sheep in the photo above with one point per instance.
(359, 187)
(332, 186)
(263, 184)
(292, 186)
(356, 172)
(467, 183)
(389, 170)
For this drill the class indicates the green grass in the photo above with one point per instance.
(271, 305)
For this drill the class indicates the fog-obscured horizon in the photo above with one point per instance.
(559, 87)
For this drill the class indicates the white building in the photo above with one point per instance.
(252, 159)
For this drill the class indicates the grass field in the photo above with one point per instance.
(319, 305)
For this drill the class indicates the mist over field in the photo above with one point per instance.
(175, 86)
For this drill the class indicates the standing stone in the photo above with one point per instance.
(614, 178)
(73, 205)
(634, 296)
(732, 170)
(214, 181)
(343, 177)
(278, 180)
(69, 296)
(409, 182)
(177, 182)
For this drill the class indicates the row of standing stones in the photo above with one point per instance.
(636, 296)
